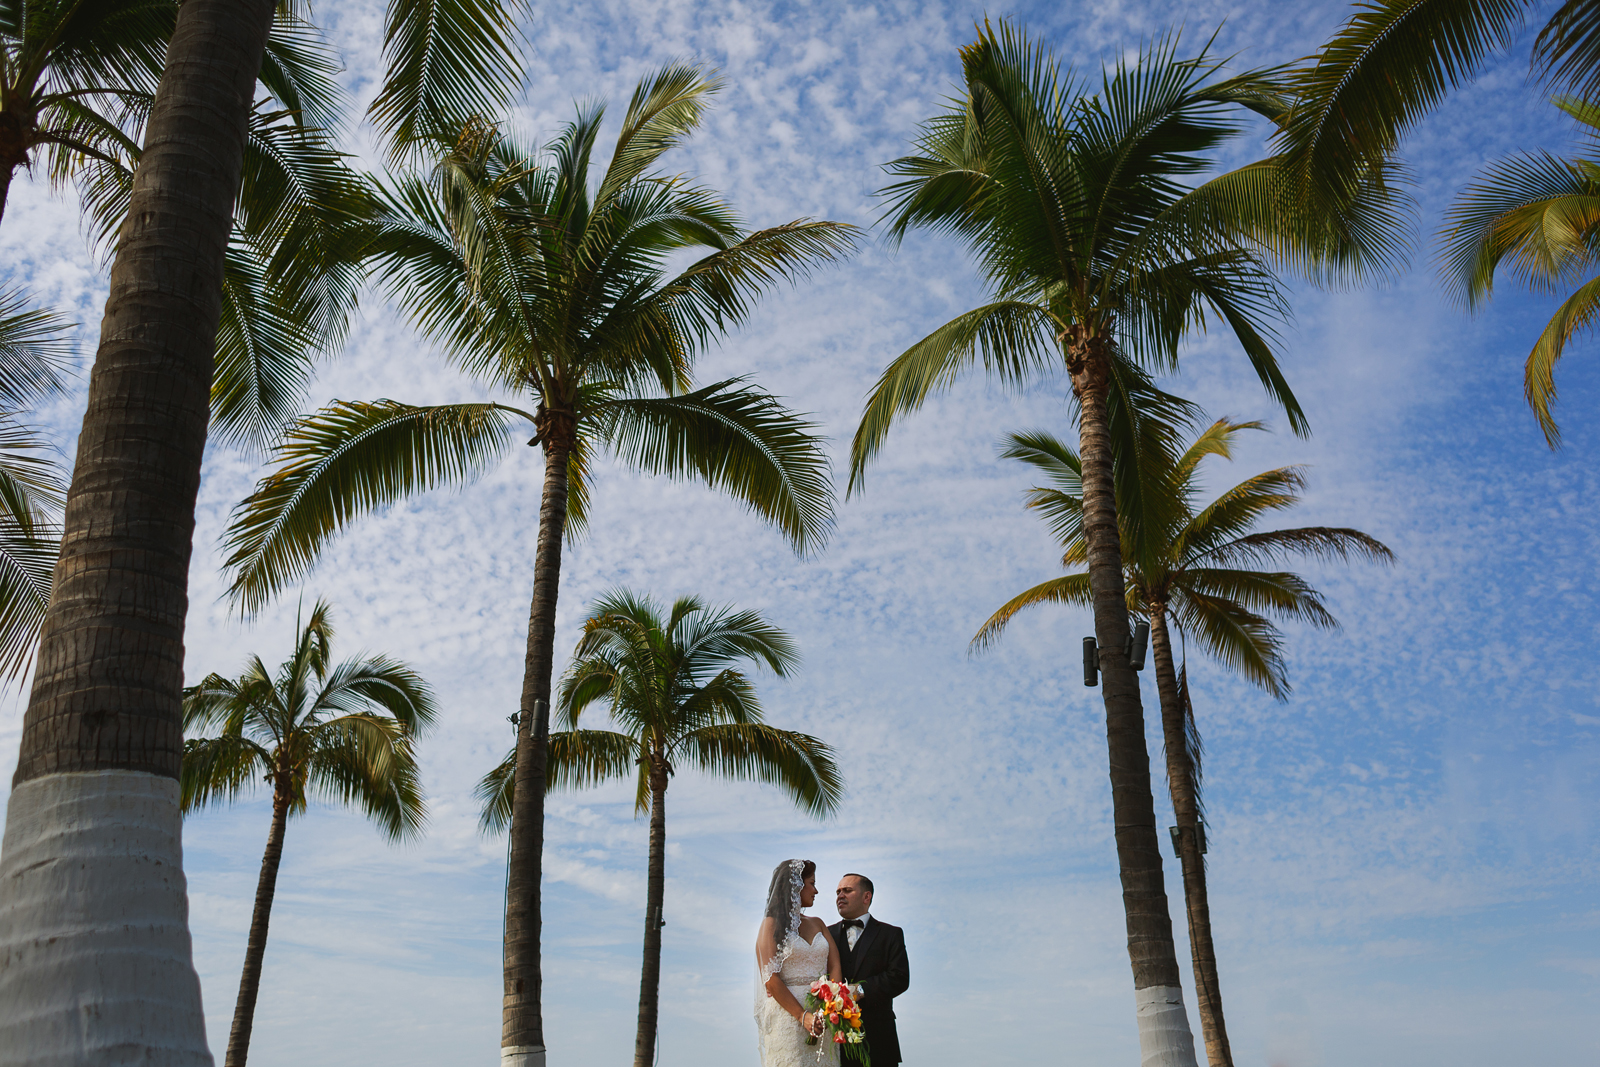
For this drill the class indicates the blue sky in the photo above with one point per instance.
(1403, 854)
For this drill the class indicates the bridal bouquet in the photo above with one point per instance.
(836, 1006)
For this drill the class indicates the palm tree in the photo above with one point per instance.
(1536, 215)
(1099, 259)
(345, 732)
(553, 290)
(1193, 569)
(96, 790)
(669, 684)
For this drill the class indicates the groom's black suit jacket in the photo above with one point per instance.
(878, 962)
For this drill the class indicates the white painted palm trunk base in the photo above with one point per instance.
(96, 967)
(1164, 1036)
(522, 1056)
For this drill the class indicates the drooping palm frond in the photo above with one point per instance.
(369, 762)
(34, 349)
(1388, 66)
(1567, 50)
(215, 769)
(801, 765)
(1069, 589)
(345, 460)
(1011, 339)
(1194, 749)
(1538, 217)
(735, 439)
(448, 60)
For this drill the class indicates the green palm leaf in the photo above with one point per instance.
(1068, 589)
(1010, 338)
(1390, 64)
(738, 440)
(798, 763)
(345, 460)
(448, 60)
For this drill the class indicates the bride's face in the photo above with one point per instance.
(808, 892)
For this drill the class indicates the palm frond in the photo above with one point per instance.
(347, 459)
(34, 349)
(1068, 589)
(580, 759)
(496, 792)
(666, 107)
(1194, 749)
(368, 761)
(1576, 313)
(448, 60)
(379, 682)
(1539, 212)
(1391, 63)
(800, 764)
(1567, 50)
(1330, 543)
(1012, 339)
(215, 769)
(735, 439)
(1239, 639)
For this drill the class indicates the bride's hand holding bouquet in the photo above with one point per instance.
(832, 1004)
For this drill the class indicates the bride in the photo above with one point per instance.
(792, 951)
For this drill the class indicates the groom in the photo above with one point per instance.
(873, 955)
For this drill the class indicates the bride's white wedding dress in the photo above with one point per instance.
(783, 1042)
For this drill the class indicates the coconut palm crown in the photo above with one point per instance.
(668, 682)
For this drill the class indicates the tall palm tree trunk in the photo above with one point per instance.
(644, 1045)
(1180, 779)
(94, 914)
(522, 1018)
(244, 1009)
(1164, 1036)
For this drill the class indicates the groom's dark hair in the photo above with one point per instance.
(866, 883)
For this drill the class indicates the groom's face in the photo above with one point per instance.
(851, 900)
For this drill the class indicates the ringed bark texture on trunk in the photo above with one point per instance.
(102, 738)
(1164, 1036)
(244, 1009)
(644, 1045)
(522, 1017)
(1180, 778)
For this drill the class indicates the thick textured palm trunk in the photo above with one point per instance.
(522, 1017)
(13, 154)
(1180, 779)
(255, 951)
(1164, 1036)
(94, 914)
(644, 1045)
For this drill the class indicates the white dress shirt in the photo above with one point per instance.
(853, 934)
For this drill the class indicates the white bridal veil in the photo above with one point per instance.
(783, 908)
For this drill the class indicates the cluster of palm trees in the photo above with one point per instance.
(201, 137)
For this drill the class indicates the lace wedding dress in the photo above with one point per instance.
(783, 1042)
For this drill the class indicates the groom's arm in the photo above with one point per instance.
(878, 990)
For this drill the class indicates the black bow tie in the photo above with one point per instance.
(857, 923)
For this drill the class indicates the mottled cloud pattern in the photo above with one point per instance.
(1402, 854)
